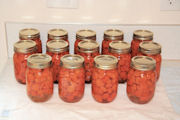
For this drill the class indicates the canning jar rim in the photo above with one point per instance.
(32, 34)
(29, 46)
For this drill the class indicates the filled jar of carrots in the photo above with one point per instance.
(31, 34)
(57, 34)
(71, 78)
(121, 50)
(83, 35)
(141, 81)
(152, 49)
(56, 49)
(105, 78)
(138, 37)
(109, 36)
(39, 77)
(22, 50)
(88, 49)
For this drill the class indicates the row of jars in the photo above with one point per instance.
(151, 49)
(105, 73)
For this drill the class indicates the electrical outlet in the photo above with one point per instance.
(170, 5)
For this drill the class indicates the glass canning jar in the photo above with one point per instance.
(31, 34)
(105, 78)
(109, 36)
(88, 49)
(57, 34)
(141, 81)
(152, 49)
(56, 49)
(39, 77)
(83, 35)
(138, 37)
(71, 78)
(22, 49)
(121, 50)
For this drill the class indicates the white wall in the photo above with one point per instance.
(124, 12)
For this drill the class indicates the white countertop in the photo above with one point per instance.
(15, 105)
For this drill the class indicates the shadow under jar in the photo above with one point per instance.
(56, 49)
(109, 36)
(152, 49)
(71, 78)
(39, 77)
(88, 49)
(83, 35)
(121, 50)
(57, 34)
(138, 37)
(105, 78)
(141, 81)
(22, 50)
(31, 34)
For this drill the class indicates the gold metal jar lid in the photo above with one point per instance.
(88, 46)
(72, 61)
(150, 48)
(143, 63)
(86, 34)
(114, 34)
(119, 47)
(25, 46)
(39, 61)
(29, 33)
(57, 46)
(105, 62)
(57, 34)
(143, 35)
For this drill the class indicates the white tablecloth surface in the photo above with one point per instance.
(15, 105)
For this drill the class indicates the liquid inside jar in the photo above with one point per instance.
(39, 84)
(124, 61)
(141, 85)
(71, 84)
(20, 66)
(56, 64)
(104, 85)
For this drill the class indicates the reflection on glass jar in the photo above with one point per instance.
(22, 50)
(57, 34)
(152, 49)
(88, 49)
(71, 78)
(121, 50)
(83, 35)
(105, 78)
(31, 34)
(109, 36)
(138, 37)
(39, 77)
(141, 81)
(56, 49)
